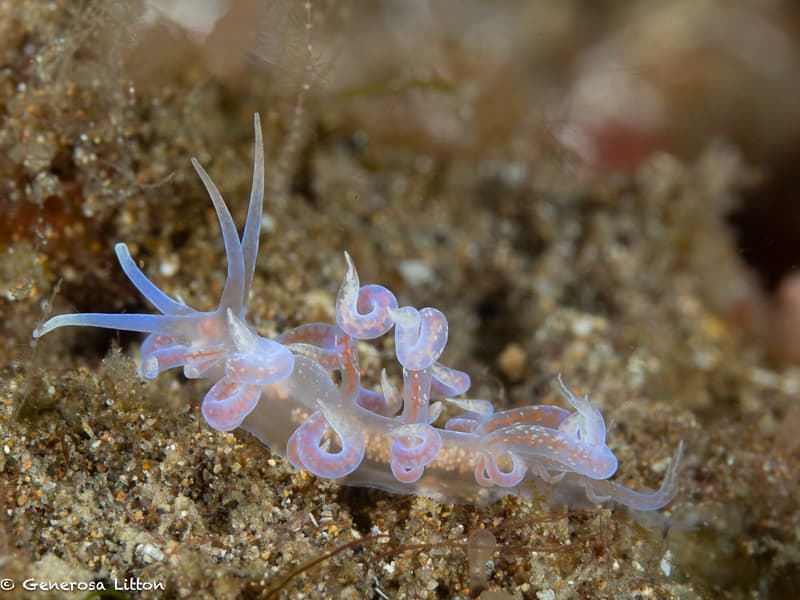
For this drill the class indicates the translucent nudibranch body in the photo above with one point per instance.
(282, 390)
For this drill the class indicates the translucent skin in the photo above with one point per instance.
(282, 391)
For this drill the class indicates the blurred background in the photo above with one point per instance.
(604, 85)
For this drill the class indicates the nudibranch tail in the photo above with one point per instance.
(603, 490)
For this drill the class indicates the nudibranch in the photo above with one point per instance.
(283, 390)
